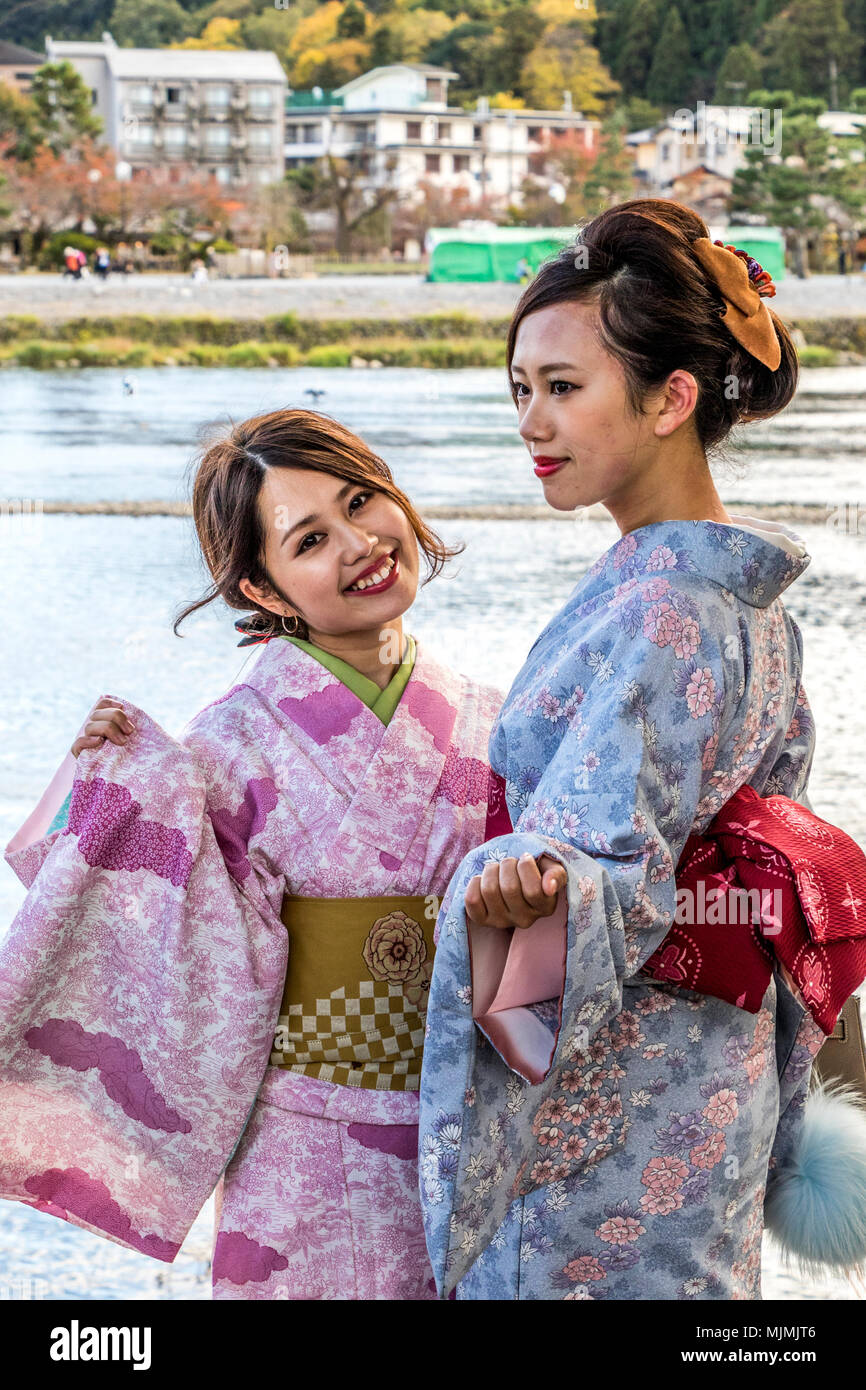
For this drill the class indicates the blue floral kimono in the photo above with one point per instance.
(617, 1140)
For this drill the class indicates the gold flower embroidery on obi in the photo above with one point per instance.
(395, 950)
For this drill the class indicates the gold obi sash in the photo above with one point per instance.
(356, 990)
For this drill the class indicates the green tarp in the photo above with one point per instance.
(493, 257)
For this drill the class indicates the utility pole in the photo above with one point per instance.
(834, 86)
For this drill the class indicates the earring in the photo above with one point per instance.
(294, 628)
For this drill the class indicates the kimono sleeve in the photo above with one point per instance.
(26, 851)
(615, 802)
(139, 988)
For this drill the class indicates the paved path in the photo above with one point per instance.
(341, 296)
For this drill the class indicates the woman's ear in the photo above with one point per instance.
(249, 591)
(678, 403)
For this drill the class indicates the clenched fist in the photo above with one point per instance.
(514, 892)
(106, 720)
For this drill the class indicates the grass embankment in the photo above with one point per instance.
(284, 340)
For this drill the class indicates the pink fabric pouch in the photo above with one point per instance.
(511, 970)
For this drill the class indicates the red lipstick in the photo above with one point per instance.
(386, 583)
(545, 464)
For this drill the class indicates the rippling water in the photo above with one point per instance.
(89, 603)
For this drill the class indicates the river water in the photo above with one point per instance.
(90, 599)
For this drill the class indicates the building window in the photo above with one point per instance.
(260, 137)
(431, 163)
(413, 130)
(218, 96)
(174, 96)
(291, 135)
(218, 137)
(141, 134)
(435, 89)
(94, 96)
(312, 134)
(174, 136)
(444, 132)
(461, 163)
(142, 95)
(533, 132)
(223, 173)
(261, 97)
(477, 132)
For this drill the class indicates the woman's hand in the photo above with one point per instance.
(106, 720)
(514, 892)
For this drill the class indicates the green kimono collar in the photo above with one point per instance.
(383, 703)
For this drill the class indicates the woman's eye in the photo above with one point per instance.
(359, 497)
(311, 536)
(569, 386)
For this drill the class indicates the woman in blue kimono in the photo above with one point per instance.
(619, 1141)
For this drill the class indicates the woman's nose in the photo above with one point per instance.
(360, 543)
(533, 424)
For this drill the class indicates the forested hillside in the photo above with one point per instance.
(523, 52)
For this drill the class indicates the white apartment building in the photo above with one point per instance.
(223, 111)
(399, 116)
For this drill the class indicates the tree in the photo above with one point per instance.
(64, 110)
(28, 21)
(268, 214)
(154, 25)
(783, 187)
(352, 22)
(802, 43)
(407, 34)
(564, 62)
(671, 62)
(584, 180)
(638, 45)
(340, 185)
(739, 73)
(437, 206)
(219, 33)
(19, 124)
(332, 65)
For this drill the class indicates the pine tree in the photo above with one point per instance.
(352, 23)
(739, 74)
(669, 75)
(638, 46)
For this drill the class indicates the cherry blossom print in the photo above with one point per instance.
(700, 692)
(112, 834)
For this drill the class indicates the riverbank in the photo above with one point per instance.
(794, 513)
(443, 339)
(53, 299)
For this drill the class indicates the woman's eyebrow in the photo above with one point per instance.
(549, 367)
(314, 516)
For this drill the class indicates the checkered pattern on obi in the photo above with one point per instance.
(374, 1039)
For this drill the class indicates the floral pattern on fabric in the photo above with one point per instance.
(636, 1167)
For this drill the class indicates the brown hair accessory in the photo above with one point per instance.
(746, 315)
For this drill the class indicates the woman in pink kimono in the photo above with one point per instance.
(158, 1038)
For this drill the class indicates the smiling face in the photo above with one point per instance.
(573, 411)
(322, 533)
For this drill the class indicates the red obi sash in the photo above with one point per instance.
(768, 881)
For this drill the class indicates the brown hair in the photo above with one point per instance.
(658, 311)
(229, 474)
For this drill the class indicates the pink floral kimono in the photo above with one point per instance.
(141, 981)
